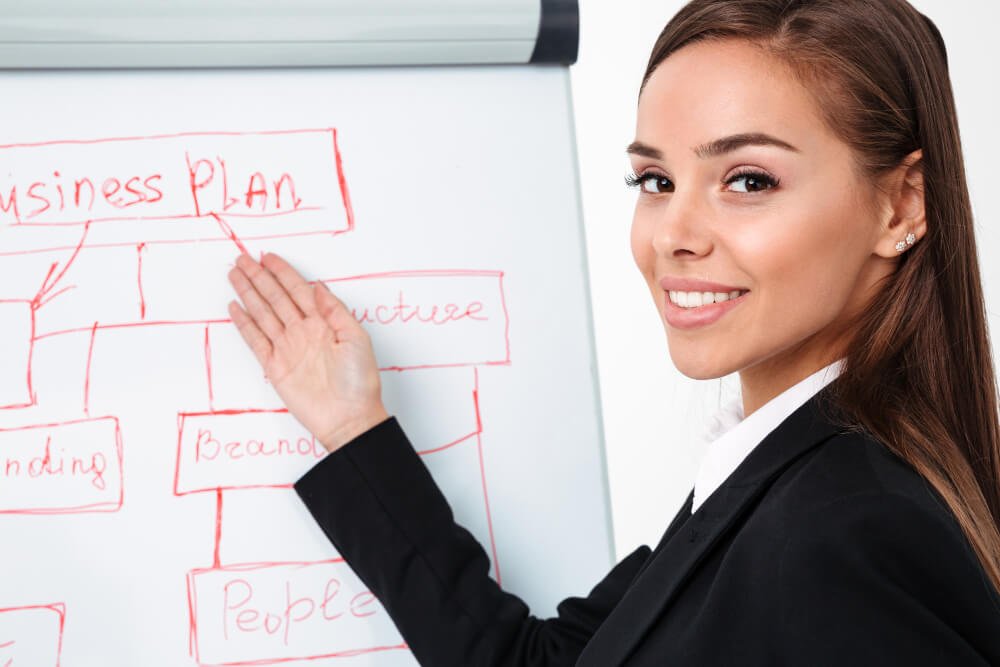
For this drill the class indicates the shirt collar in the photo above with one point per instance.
(728, 437)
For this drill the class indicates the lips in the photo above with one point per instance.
(670, 283)
(700, 316)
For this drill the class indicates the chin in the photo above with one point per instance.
(697, 363)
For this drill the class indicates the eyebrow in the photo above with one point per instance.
(717, 147)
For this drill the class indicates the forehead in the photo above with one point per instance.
(711, 89)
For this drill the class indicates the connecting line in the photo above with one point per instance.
(50, 283)
(86, 379)
(142, 297)
(208, 370)
(230, 234)
(62, 291)
(482, 474)
(216, 561)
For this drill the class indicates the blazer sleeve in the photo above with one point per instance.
(879, 579)
(378, 504)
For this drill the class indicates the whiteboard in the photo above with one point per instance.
(146, 465)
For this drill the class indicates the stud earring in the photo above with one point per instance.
(910, 240)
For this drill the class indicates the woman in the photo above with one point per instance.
(803, 219)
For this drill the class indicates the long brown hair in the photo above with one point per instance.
(918, 371)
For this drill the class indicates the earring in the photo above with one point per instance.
(910, 239)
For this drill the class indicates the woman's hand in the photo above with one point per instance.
(312, 349)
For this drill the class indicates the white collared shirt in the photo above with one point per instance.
(728, 438)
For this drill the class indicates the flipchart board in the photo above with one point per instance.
(146, 509)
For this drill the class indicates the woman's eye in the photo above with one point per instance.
(753, 181)
(656, 184)
(650, 183)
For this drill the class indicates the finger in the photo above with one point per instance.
(256, 307)
(292, 281)
(270, 289)
(334, 311)
(253, 336)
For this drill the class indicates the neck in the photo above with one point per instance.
(764, 381)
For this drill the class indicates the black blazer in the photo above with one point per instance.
(821, 548)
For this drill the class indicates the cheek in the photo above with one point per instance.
(641, 238)
(804, 263)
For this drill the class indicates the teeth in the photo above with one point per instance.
(696, 299)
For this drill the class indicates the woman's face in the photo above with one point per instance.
(775, 216)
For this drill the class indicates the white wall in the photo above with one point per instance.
(651, 411)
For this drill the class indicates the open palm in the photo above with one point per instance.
(314, 352)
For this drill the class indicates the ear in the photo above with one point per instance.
(903, 210)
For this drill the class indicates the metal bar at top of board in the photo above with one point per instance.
(558, 33)
(64, 34)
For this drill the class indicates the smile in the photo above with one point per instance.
(690, 310)
(698, 299)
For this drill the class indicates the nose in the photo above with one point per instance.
(681, 228)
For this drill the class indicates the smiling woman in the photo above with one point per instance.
(802, 219)
(777, 208)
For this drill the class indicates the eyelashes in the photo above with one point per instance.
(633, 180)
(762, 180)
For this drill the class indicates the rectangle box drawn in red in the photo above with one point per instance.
(431, 318)
(267, 613)
(61, 468)
(173, 176)
(32, 635)
(242, 449)
(226, 450)
(16, 344)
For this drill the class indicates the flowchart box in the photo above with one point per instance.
(427, 319)
(16, 343)
(242, 449)
(31, 635)
(176, 177)
(269, 613)
(61, 468)
(417, 320)
(294, 536)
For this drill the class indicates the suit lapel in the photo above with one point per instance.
(679, 520)
(689, 539)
